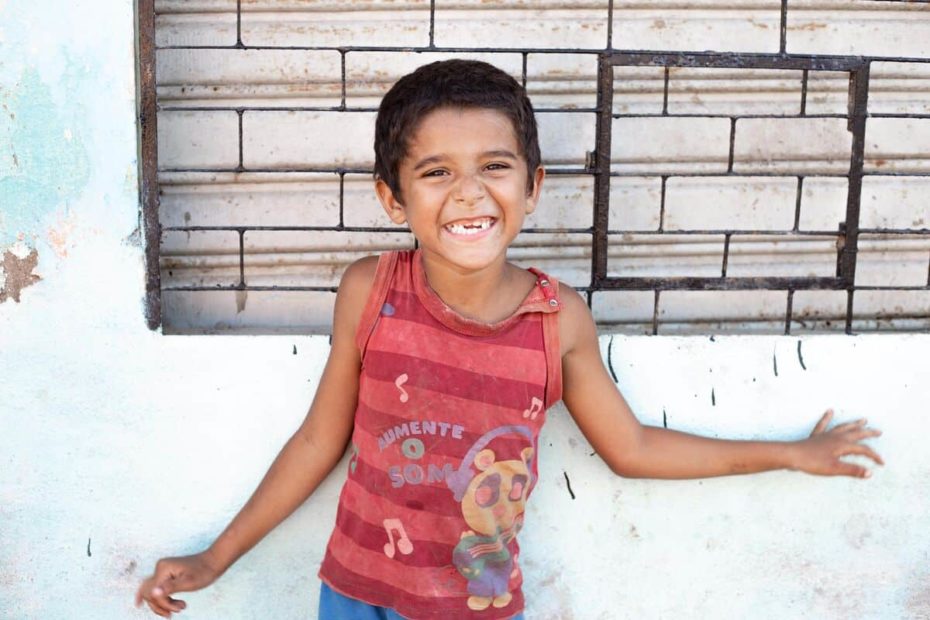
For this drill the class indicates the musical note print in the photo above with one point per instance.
(399, 382)
(403, 542)
(535, 408)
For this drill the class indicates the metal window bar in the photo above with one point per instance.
(597, 165)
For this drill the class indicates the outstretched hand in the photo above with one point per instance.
(182, 574)
(821, 452)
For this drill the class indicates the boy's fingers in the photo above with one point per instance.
(823, 422)
(845, 426)
(856, 471)
(866, 433)
(866, 451)
(160, 596)
(158, 609)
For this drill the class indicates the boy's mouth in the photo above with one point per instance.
(470, 227)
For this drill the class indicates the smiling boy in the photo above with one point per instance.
(443, 363)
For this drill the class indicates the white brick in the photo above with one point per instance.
(360, 203)
(751, 311)
(317, 139)
(633, 255)
(195, 29)
(502, 23)
(732, 203)
(781, 256)
(638, 90)
(249, 199)
(792, 145)
(565, 138)
(242, 312)
(733, 91)
(895, 202)
(198, 140)
(899, 88)
(823, 203)
(369, 75)
(241, 78)
(853, 27)
(565, 202)
(566, 256)
(894, 260)
(311, 258)
(827, 92)
(646, 26)
(670, 145)
(897, 144)
(199, 258)
(564, 81)
(635, 203)
(630, 311)
(891, 310)
(818, 311)
(202, 6)
(402, 23)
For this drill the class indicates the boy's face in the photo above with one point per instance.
(464, 185)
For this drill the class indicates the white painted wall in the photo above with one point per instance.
(119, 445)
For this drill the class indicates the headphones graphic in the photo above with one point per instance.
(459, 480)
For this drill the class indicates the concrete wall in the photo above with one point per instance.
(119, 445)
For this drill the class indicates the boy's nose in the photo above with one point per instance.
(469, 190)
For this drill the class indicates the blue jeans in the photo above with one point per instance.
(335, 606)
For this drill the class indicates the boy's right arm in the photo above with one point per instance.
(304, 461)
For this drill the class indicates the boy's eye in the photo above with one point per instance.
(435, 173)
(497, 166)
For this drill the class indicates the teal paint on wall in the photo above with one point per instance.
(44, 164)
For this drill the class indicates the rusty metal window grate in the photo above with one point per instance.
(653, 216)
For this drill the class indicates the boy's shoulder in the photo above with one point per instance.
(354, 289)
(576, 323)
(360, 274)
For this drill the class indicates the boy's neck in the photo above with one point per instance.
(489, 295)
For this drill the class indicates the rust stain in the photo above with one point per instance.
(58, 236)
(18, 273)
(659, 24)
(811, 26)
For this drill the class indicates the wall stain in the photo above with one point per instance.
(242, 296)
(18, 274)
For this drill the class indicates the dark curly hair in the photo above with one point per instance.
(450, 84)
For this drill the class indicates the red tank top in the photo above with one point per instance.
(444, 449)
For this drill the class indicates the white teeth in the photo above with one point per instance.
(470, 229)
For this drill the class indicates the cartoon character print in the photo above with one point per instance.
(493, 506)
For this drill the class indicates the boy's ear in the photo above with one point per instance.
(390, 203)
(533, 198)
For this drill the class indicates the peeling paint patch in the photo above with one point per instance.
(42, 167)
(17, 273)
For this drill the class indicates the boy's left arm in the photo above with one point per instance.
(633, 450)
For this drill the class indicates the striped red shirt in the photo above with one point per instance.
(444, 449)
